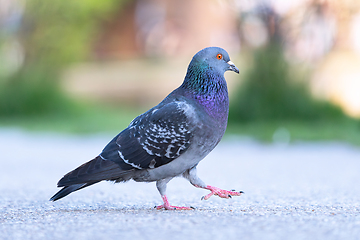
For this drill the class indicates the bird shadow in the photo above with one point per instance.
(129, 210)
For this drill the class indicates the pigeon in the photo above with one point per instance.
(170, 139)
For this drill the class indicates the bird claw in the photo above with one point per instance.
(169, 207)
(221, 193)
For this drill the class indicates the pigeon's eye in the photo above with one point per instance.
(219, 56)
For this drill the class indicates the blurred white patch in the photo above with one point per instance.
(348, 93)
(254, 31)
(281, 137)
(11, 57)
(355, 32)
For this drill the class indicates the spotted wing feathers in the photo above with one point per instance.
(152, 139)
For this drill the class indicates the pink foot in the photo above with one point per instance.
(220, 192)
(167, 205)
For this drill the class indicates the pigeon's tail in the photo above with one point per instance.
(90, 173)
(69, 189)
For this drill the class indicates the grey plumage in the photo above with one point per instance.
(170, 139)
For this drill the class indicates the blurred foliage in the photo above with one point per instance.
(58, 32)
(32, 91)
(83, 119)
(53, 34)
(272, 92)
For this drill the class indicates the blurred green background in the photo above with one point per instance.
(91, 66)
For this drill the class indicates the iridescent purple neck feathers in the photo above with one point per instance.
(209, 89)
(205, 83)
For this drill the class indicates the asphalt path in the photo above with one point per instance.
(297, 191)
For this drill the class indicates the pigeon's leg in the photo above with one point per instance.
(197, 182)
(161, 186)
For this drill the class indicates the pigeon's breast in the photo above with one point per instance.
(208, 122)
(216, 109)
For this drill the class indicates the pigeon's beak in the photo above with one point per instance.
(232, 67)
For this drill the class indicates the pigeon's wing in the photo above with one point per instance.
(152, 139)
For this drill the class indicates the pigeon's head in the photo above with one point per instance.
(205, 74)
(214, 58)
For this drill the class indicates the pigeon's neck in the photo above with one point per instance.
(203, 81)
(209, 90)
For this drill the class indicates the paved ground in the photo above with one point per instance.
(301, 191)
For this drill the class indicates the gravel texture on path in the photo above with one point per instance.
(299, 191)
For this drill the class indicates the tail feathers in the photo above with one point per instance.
(90, 173)
(69, 189)
(95, 170)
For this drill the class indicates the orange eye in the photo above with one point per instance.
(219, 56)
